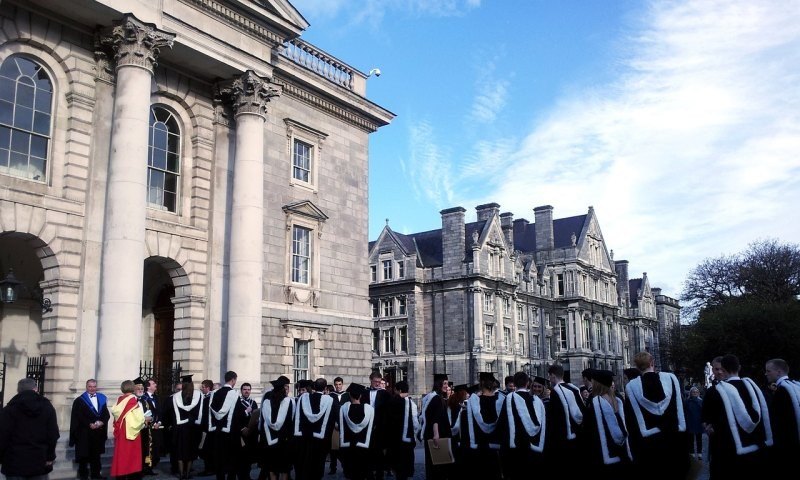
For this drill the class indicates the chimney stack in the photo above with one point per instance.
(487, 211)
(507, 224)
(544, 228)
(453, 240)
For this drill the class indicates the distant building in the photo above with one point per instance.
(502, 294)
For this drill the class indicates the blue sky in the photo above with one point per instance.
(679, 121)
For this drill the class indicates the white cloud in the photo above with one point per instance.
(694, 150)
(431, 164)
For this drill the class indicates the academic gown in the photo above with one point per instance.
(128, 424)
(785, 429)
(401, 436)
(226, 431)
(563, 436)
(88, 442)
(184, 417)
(659, 455)
(436, 413)
(523, 434)
(275, 441)
(379, 400)
(726, 461)
(482, 442)
(314, 437)
(605, 457)
(356, 434)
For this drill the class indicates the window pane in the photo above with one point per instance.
(41, 123)
(7, 87)
(23, 118)
(26, 67)
(37, 168)
(4, 158)
(24, 93)
(9, 68)
(159, 159)
(160, 136)
(171, 183)
(43, 99)
(6, 112)
(156, 179)
(173, 140)
(19, 164)
(20, 141)
(172, 162)
(5, 137)
(38, 146)
(42, 81)
(170, 201)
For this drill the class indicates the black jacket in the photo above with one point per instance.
(28, 435)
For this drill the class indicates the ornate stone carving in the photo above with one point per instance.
(136, 43)
(104, 66)
(249, 94)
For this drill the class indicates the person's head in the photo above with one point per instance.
(520, 380)
(775, 369)
(402, 388)
(246, 389)
(585, 392)
(138, 389)
(320, 384)
(127, 387)
(91, 386)
(509, 383)
(27, 385)
(730, 364)
(587, 374)
(630, 373)
(716, 368)
(555, 373)
(231, 377)
(206, 386)
(186, 388)
(338, 384)
(384, 383)
(440, 382)
(375, 379)
(643, 361)
(217, 386)
(151, 386)
(602, 383)
(694, 392)
(177, 388)
(487, 382)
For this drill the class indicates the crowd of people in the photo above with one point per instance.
(647, 426)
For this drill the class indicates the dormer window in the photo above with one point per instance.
(387, 269)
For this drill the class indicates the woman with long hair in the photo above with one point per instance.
(606, 436)
(185, 425)
(275, 426)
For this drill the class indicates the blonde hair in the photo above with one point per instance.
(642, 360)
(600, 390)
(127, 386)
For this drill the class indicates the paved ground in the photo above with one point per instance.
(163, 469)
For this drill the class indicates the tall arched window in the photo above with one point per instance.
(163, 160)
(26, 99)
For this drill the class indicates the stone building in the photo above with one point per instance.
(502, 294)
(185, 181)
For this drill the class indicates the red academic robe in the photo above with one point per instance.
(127, 457)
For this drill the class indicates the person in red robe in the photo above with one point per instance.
(128, 423)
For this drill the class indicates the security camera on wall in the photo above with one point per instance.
(375, 71)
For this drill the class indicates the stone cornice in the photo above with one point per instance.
(236, 20)
(304, 95)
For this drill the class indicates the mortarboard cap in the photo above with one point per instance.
(588, 373)
(280, 382)
(355, 389)
(540, 380)
(439, 377)
(138, 381)
(486, 377)
(605, 377)
(461, 388)
(186, 378)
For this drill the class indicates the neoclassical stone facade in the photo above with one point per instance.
(186, 181)
(502, 294)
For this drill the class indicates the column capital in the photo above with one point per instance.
(249, 94)
(136, 43)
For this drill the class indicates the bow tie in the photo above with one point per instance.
(92, 395)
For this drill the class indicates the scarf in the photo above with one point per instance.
(793, 389)
(226, 410)
(177, 404)
(515, 400)
(570, 406)
(605, 415)
(737, 415)
(356, 428)
(266, 417)
(304, 409)
(410, 412)
(670, 385)
(474, 416)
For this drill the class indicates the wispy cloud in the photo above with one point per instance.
(431, 164)
(691, 152)
(373, 12)
(491, 96)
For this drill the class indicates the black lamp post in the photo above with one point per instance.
(10, 288)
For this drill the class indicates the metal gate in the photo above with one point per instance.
(36, 370)
(2, 382)
(165, 375)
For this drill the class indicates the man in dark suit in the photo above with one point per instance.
(379, 399)
(88, 430)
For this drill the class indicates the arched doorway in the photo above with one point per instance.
(158, 324)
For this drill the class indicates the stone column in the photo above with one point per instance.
(136, 46)
(249, 95)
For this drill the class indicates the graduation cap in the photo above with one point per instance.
(473, 389)
(401, 386)
(588, 373)
(605, 377)
(280, 382)
(138, 381)
(355, 389)
(186, 378)
(486, 377)
(461, 388)
(439, 377)
(540, 380)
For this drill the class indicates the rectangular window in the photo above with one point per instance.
(562, 335)
(488, 302)
(509, 368)
(373, 273)
(521, 343)
(300, 360)
(489, 367)
(506, 306)
(388, 340)
(598, 336)
(535, 346)
(507, 338)
(560, 286)
(520, 313)
(587, 334)
(301, 161)
(609, 328)
(387, 306)
(301, 254)
(375, 309)
(401, 305)
(403, 333)
(488, 336)
(401, 269)
(376, 340)
(387, 269)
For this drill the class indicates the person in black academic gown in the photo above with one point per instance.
(784, 416)
(435, 425)
(276, 429)
(184, 423)
(402, 429)
(356, 433)
(88, 430)
(565, 419)
(226, 420)
(479, 432)
(313, 427)
(522, 425)
(607, 451)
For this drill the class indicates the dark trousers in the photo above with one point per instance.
(87, 465)
(698, 438)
